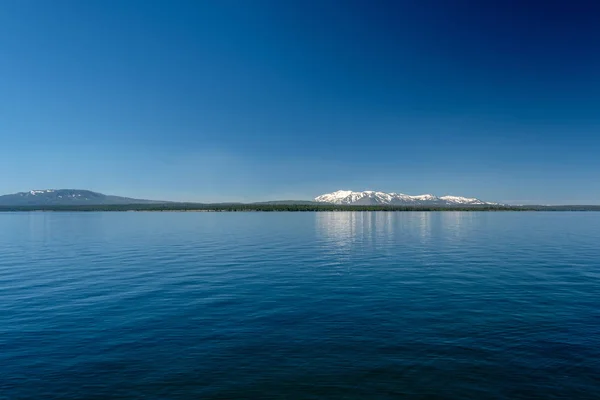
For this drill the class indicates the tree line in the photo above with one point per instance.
(287, 207)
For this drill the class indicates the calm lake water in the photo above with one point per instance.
(300, 305)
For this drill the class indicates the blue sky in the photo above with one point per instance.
(255, 100)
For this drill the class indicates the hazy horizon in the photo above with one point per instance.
(266, 100)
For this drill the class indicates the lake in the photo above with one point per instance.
(384, 305)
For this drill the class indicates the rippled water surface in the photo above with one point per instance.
(300, 305)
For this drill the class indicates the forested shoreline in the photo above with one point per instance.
(262, 207)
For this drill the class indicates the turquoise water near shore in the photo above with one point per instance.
(380, 305)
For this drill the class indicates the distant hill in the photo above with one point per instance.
(288, 202)
(67, 197)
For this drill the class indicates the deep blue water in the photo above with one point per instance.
(300, 305)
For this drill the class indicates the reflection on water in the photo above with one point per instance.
(349, 235)
(339, 228)
(344, 229)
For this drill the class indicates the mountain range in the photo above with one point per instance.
(75, 197)
(370, 198)
(66, 197)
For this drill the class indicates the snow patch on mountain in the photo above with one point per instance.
(35, 192)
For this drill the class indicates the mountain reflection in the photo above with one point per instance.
(348, 231)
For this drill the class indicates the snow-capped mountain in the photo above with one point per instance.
(65, 197)
(370, 197)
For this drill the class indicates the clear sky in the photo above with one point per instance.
(253, 100)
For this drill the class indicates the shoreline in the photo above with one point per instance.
(287, 208)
